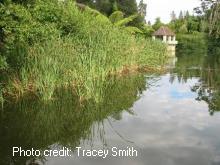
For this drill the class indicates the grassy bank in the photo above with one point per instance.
(52, 45)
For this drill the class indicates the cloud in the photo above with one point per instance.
(163, 8)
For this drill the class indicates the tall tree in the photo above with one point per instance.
(211, 10)
(214, 19)
(142, 8)
(181, 17)
(173, 16)
(187, 14)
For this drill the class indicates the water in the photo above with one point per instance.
(170, 119)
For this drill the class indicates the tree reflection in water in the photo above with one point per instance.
(206, 68)
(63, 121)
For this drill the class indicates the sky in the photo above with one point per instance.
(163, 8)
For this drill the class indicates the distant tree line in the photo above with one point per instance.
(186, 23)
(206, 19)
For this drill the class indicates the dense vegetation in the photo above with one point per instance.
(198, 32)
(206, 20)
(50, 44)
(128, 7)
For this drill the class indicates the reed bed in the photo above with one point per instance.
(81, 56)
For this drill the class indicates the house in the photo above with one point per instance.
(166, 36)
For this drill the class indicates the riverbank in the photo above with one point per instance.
(52, 45)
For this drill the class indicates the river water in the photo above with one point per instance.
(169, 119)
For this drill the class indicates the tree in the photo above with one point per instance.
(157, 23)
(181, 17)
(104, 6)
(187, 14)
(211, 10)
(142, 8)
(214, 17)
(128, 7)
(173, 16)
(193, 24)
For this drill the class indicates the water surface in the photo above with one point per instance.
(170, 119)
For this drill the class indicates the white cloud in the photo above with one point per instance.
(163, 8)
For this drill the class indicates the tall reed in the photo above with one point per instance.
(82, 56)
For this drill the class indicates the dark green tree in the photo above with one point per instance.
(104, 6)
(173, 16)
(129, 7)
(187, 14)
(157, 23)
(181, 16)
(193, 24)
(142, 8)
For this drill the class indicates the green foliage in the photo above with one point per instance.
(183, 29)
(116, 16)
(196, 42)
(157, 24)
(20, 28)
(115, 6)
(187, 24)
(118, 20)
(133, 30)
(147, 30)
(206, 21)
(3, 63)
(193, 24)
(53, 44)
(125, 21)
(210, 12)
(104, 6)
(129, 7)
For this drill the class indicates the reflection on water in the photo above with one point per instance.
(171, 119)
(206, 71)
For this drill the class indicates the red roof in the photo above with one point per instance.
(163, 31)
